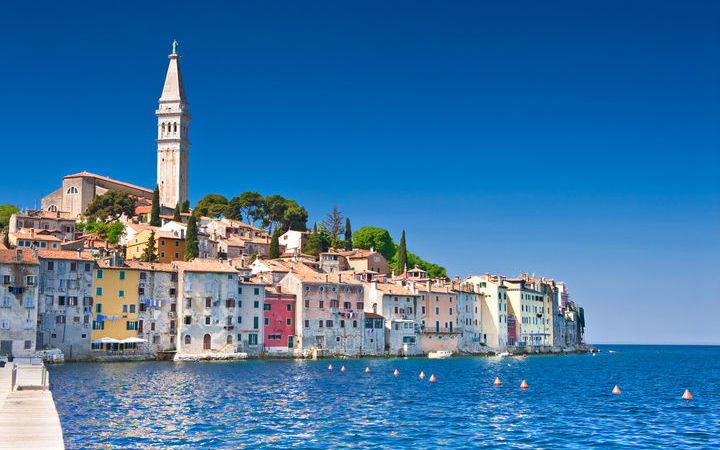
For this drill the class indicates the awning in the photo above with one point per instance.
(132, 340)
(106, 340)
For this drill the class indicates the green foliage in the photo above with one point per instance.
(317, 242)
(377, 238)
(249, 206)
(433, 270)
(281, 213)
(110, 231)
(212, 205)
(149, 254)
(110, 206)
(6, 211)
(191, 239)
(185, 207)
(6, 241)
(348, 235)
(176, 215)
(275, 245)
(402, 254)
(155, 209)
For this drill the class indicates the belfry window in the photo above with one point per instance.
(175, 128)
(72, 190)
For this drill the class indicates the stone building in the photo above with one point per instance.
(173, 133)
(330, 315)
(469, 318)
(157, 305)
(65, 302)
(206, 308)
(250, 317)
(400, 309)
(19, 270)
(495, 312)
(61, 222)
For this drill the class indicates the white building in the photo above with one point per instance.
(293, 240)
(400, 308)
(19, 270)
(494, 314)
(249, 319)
(469, 318)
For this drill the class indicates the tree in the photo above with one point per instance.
(281, 213)
(275, 245)
(185, 207)
(191, 239)
(115, 231)
(176, 216)
(402, 254)
(377, 238)
(274, 211)
(155, 209)
(333, 222)
(317, 243)
(6, 241)
(348, 235)
(249, 205)
(6, 211)
(295, 217)
(212, 205)
(149, 254)
(110, 206)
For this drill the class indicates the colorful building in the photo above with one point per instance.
(116, 305)
(19, 270)
(279, 326)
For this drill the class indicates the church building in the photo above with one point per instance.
(173, 146)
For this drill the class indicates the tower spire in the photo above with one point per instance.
(173, 133)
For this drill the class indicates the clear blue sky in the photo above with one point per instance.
(578, 140)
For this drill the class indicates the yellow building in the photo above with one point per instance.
(116, 305)
(169, 246)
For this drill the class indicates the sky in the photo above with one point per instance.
(574, 140)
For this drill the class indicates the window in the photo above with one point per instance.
(408, 339)
(257, 291)
(322, 288)
(98, 325)
(329, 323)
(252, 339)
(188, 320)
(256, 304)
(28, 345)
(208, 320)
(132, 309)
(229, 339)
(99, 274)
(125, 309)
(266, 307)
(288, 307)
(307, 324)
(122, 274)
(141, 291)
(188, 302)
(288, 321)
(73, 266)
(230, 303)
(187, 339)
(50, 266)
(72, 190)
(240, 290)
(256, 322)
(121, 293)
(320, 323)
(322, 304)
(61, 300)
(208, 302)
(267, 321)
(132, 325)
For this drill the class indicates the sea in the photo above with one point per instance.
(304, 404)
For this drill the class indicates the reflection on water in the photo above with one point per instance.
(302, 404)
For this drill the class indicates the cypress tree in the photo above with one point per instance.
(155, 210)
(348, 235)
(402, 254)
(149, 254)
(315, 228)
(191, 240)
(176, 216)
(275, 245)
(185, 206)
(6, 240)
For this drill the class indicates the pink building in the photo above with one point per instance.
(511, 329)
(279, 312)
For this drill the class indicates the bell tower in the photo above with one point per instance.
(173, 132)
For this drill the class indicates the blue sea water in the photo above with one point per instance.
(302, 404)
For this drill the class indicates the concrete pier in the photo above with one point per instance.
(28, 418)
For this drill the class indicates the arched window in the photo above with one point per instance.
(187, 339)
(163, 129)
(52, 208)
(72, 190)
(175, 128)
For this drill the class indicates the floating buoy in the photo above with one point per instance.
(432, 377)
(497, 381)
(524, 355)
(342, 369)
(594, 354)
(616, 390)
(687, 395)
(330, 367)
(523, 385)
(367, 369)
(422, 375)
(396, 373)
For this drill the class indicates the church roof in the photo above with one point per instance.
(174, 90)
(109, 180)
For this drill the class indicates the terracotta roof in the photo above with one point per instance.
(369, 315)
(10, 257)
(65, 254)
(394, 289)
(35, 236)
(105, 265)
(205, 265)
(168, 235)
(140, 226)
(434, 289)
(42, 214)
(99, 177)
(324, 278)
(143, 209)
(147, 266)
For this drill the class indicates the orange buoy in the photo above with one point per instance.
(342, 369)
(432, 377)
(616, 390)
(524, 355)
(497, 381)
(523, 385)
(687, 395)
(422, 375)
(330, 367)
(396, 373)
(367, 369)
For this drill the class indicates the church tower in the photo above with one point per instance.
(172, 142)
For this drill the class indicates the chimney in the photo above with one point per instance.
(326, 278)
(79, 254)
